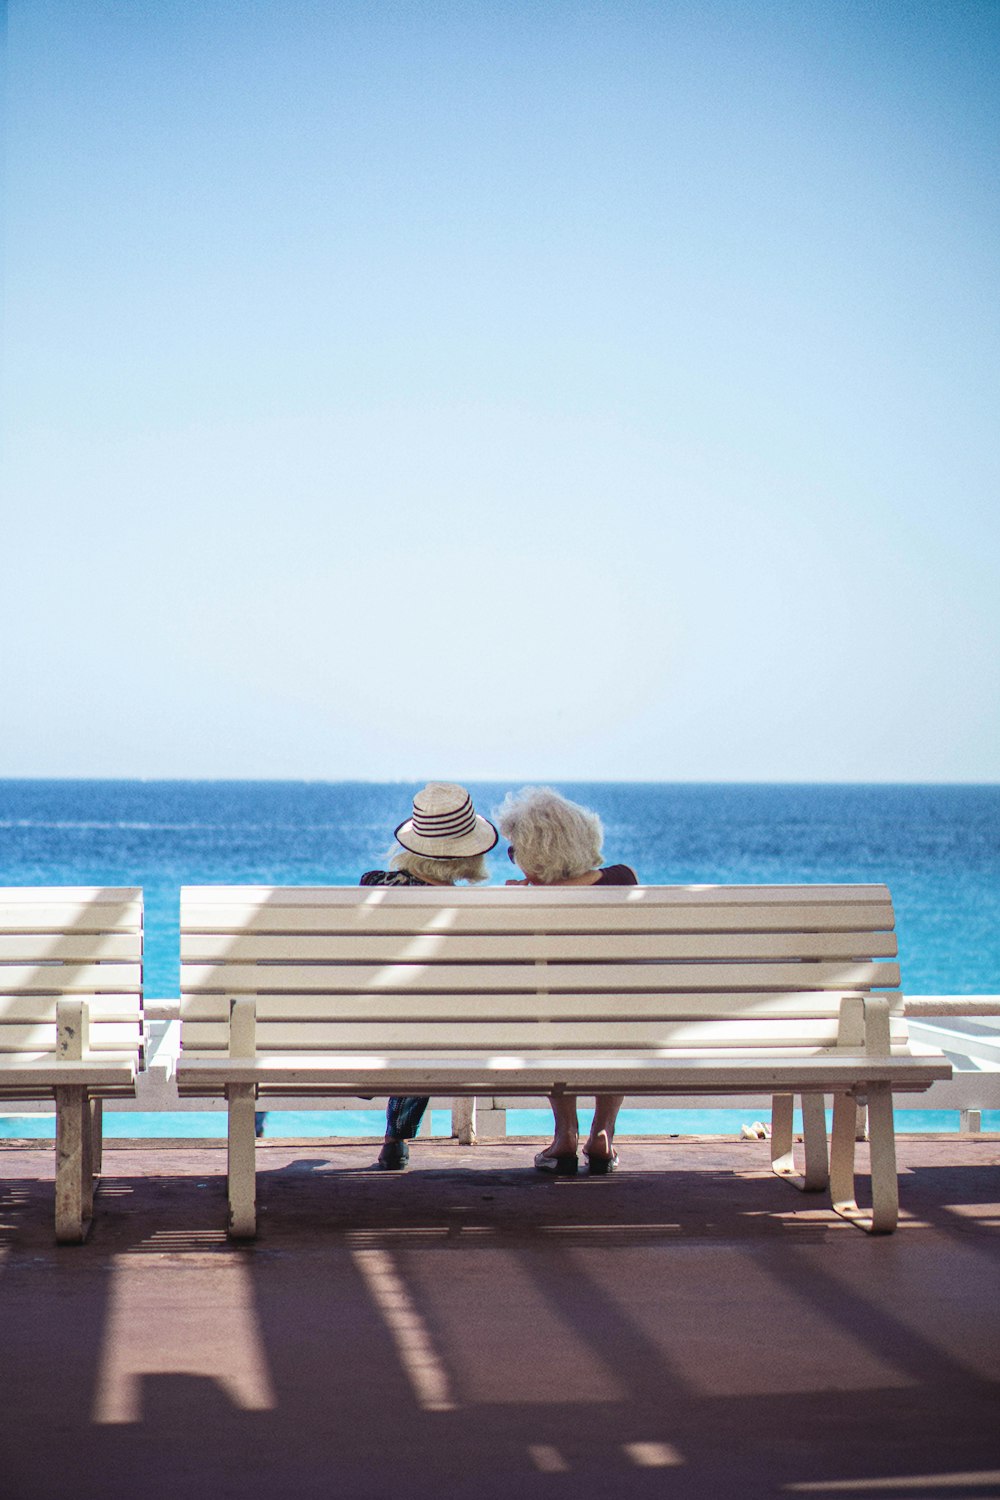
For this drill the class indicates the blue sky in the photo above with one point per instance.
(528, 390)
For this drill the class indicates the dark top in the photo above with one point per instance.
(390, 877)
(616, 875)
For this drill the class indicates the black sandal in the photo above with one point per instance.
(565, 1165)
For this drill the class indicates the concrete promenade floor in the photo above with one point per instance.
(687, 1327)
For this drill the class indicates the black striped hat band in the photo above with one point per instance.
(447, 825)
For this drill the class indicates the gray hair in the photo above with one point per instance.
(471, 867)
(553, 839)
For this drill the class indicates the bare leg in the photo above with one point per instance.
(567, 1126)
(601, 1141)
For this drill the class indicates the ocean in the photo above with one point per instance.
(937, 847)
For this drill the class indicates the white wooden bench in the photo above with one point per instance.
(70, 1021)
(692, 990)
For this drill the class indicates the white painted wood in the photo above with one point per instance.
(807, 1005)
(90, 897)
(65, 979)
(109, 1037)
(655, 991)
(546, 1073)
(411, 1034)
(51, 947)
(242, 1161)
(882, 1149)
(241, 1033)
(105, 1067)
(72, 1030)
(74, 1171)
(884, 1213)
(815, 1175)
(604, 916)
(70, 1020)
(444, 947)
(817, 1167)
(533, 896)
(463, 1121)
(97, 1135)
(613, 978)
(41, 1009)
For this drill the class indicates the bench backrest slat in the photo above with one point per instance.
(612, 979)
(535, 947)
(347, 968)
(70, 942)
(412, 1034)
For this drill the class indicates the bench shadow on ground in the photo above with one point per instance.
(468, 1327)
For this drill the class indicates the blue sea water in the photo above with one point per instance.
(937, 847)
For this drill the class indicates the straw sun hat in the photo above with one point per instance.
(445, 825)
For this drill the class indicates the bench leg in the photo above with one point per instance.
(817, 1170)
(242, 1161)
(74, 1165)
(884, 1213)
(463, 1120)
(96, 1136)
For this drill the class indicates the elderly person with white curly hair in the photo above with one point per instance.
(557, 842)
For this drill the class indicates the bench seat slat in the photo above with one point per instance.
(442, 947)
(613, 978)
(541, 1073)
(44, 1072)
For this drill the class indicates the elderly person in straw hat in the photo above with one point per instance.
(442, 843)
(557, 842)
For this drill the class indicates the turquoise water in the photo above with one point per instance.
(211, 1124)
(937, 848)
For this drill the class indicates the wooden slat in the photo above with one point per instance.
(33, 947)
(809, 1004)
(569, 1033)
(505, 916)
(442, 947)
(34, 1008)
(75, 917)
(479, 979)
(41, 1037)
(69, 978)
(607, 1072)
(43, 1072)
(88, 895)
(651, 895)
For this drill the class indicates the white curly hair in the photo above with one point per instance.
(553, 839)
(471, 867)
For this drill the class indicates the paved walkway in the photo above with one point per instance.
(688, 1327)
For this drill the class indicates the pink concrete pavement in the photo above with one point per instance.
(688, 1327)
